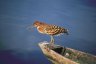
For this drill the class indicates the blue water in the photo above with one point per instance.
(18, 45)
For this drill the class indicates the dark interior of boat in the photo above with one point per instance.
(77, 56)
(74, 55)
(60, 50)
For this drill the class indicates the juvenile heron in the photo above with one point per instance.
(49, 29)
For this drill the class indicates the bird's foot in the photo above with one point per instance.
(47, 47)
(51, 46)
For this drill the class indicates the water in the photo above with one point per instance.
(21, 45)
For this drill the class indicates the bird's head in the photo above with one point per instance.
(37, 23)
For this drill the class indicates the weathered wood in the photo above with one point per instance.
(64, 55)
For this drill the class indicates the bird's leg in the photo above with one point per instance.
(51, 42)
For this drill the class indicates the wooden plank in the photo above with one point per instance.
(55, 56)
(67, 55)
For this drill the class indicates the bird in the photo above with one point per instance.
(49, 29)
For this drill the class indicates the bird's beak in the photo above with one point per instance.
(30, 27)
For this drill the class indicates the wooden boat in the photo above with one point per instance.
(65, 55)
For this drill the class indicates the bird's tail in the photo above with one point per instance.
(66, 31)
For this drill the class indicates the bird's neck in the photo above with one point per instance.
(40, 29)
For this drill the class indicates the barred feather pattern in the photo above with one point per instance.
(49, 29)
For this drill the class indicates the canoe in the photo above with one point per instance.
(64, 55)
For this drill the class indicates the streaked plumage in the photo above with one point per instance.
(49, 29)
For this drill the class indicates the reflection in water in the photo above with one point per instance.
(22, 57)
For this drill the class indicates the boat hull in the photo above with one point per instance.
(64, 55)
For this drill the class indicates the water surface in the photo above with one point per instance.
(17, 44)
